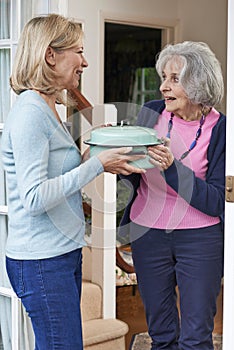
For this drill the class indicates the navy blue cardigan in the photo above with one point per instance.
(206, 195)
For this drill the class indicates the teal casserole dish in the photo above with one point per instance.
(137, 137)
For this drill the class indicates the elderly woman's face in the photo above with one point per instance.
(173, 92)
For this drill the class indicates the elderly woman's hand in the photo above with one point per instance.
(116, 161)
(161, 155)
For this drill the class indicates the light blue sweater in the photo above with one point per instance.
(44, 178)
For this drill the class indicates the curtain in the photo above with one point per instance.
(4, 19)
(5, 302)
(4, 83)
(26, 11)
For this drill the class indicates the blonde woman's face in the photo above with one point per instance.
(69, 65)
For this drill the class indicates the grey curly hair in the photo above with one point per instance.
(201, 75)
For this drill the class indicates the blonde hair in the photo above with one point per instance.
(30, 68)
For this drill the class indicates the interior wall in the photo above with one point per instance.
(206, 20)
(90, 13)
(200, 20)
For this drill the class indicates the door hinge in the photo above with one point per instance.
(229, 190)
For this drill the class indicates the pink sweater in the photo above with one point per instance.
(157, 205)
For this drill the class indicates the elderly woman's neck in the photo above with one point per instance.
(194, 113)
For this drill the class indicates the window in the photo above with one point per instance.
(13, 15)
(146, 83)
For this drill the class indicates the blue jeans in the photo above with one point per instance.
(191, 259)
(50, 290)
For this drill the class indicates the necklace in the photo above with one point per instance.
(193, 144)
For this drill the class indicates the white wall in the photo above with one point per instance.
(206, 20)
(200, 20)
(91, 14)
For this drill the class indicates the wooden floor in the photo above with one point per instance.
(129, 308)
(218, 326)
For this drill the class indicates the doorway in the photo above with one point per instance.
(130, 78)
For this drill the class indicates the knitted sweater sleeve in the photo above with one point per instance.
(28, 148)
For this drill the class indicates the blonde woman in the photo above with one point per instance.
(45, 173)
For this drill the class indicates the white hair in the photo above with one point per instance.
(201, 75)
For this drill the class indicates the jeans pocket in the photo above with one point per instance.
(15, 273)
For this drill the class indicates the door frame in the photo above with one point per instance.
(170, 34)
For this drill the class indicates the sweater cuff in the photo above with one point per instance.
(96, 163)
(171, 175)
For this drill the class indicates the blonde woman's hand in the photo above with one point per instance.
(116, 161)
(161, 155)
(86, 155)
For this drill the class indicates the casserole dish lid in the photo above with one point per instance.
(120, 136)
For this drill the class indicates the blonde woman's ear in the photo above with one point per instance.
(50, 56)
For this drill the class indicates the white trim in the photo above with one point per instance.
(7, 292)
(3, 210)
(15, 322)
(15, 315)
(15, 18)
(58, 6)
(1, 127)
(151, 22)
(228, 303)
(104, 223)
(63, 7)
(5, 44)
(170, 33)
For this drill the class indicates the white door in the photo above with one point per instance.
(228, 337)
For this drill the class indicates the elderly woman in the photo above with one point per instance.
(176, 213)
